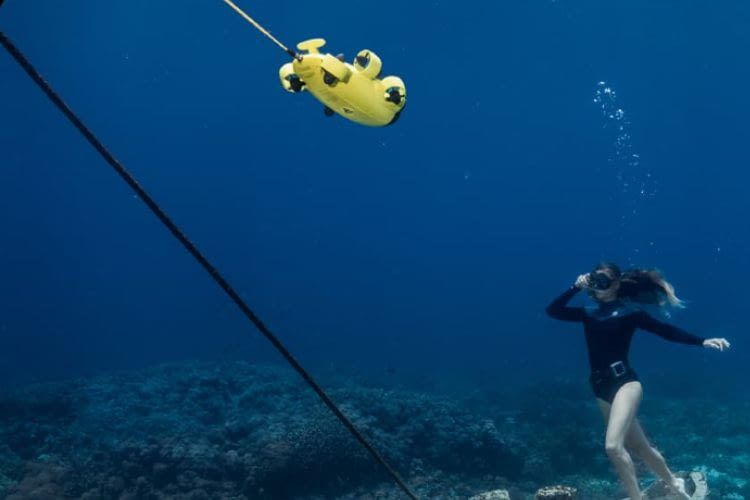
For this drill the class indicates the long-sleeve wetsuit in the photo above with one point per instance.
(608, 334)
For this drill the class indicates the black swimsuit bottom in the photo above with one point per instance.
(606, 383)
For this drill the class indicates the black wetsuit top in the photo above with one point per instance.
(610, 329)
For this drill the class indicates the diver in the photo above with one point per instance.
(609, 330)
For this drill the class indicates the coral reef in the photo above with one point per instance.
(229, 431)
(236, 430)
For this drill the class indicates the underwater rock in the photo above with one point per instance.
(557, 493)
(492, 495)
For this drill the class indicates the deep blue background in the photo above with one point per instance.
(427, 249)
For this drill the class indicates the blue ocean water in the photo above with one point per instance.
(540, 137)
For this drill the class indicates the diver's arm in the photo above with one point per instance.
(559, 309)
(644, 321)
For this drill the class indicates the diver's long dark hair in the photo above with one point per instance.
(643, 286)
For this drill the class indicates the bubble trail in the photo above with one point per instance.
(629, 170)
(636, 183)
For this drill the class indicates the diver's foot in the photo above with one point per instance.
(678, 488)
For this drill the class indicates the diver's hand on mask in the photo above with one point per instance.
(718, 344)
(582, 281)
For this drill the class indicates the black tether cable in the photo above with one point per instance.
(190, 247)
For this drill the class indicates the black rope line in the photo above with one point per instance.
(204, 262)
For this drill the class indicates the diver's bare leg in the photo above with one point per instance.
(638, 443)
(621, 415)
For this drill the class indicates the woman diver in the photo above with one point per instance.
(608, 330)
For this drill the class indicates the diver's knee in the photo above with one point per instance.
(615, 449)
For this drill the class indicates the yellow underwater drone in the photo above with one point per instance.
(355, 91)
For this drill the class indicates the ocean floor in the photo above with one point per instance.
(235, 430)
